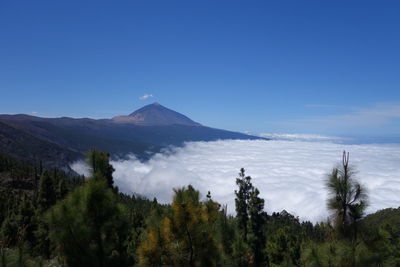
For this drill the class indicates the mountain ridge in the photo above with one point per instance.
(27, 147)
(160, 127)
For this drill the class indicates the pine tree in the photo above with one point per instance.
(89, 227)
(347, 201)
(250, 217)
(99, 164)
(242, 200)
(348, 198)
(256, 221)
(46, 194)
(62, 189)
(186, 237)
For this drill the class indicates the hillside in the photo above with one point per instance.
(22, 145)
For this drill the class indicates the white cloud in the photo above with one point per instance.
(34, 113)
(145, 96)
(289, 174)
(81, 168)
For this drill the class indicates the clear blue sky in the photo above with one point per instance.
(325, 67)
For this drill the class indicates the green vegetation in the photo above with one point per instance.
(49, 218)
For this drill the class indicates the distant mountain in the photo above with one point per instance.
(155, 115)
(142, 133)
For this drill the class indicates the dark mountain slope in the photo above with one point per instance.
(24, 146)
(80, 135)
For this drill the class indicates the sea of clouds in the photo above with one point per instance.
(290, 174)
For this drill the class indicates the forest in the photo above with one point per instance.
(50, 218)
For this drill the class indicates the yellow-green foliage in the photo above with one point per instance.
(186, 236)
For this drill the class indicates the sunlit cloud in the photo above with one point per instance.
(145, 96)
(81, 168)
(289, 174)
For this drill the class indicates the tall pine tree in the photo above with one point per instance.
(250, 218)
(47, 192)
(99, 163)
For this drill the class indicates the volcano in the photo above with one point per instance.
(155, 115)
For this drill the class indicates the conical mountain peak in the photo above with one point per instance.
(151, 107)
(155, 114)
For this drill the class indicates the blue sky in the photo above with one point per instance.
(323, 67)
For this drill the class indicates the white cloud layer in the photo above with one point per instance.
(289, 174)
(301, 137)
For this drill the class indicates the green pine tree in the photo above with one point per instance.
(89, 227)
(46, 193)
(250, 218)
(100, 167)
